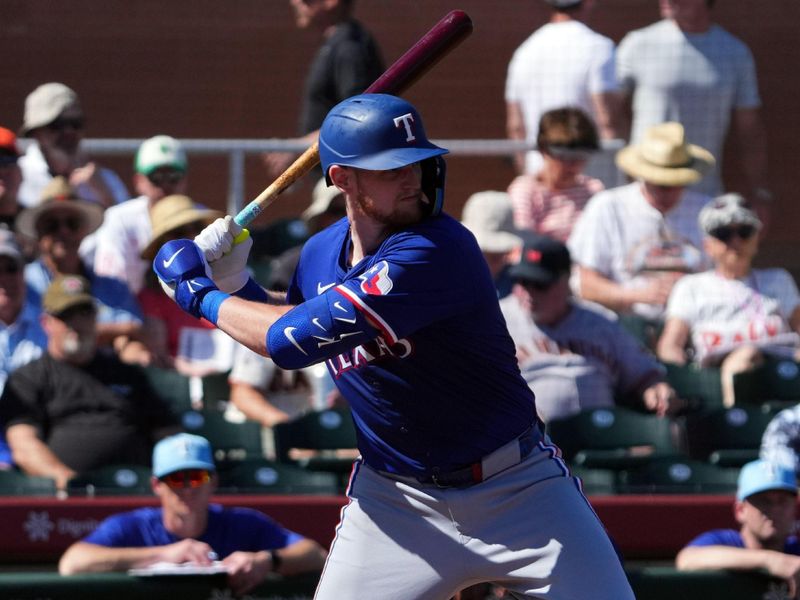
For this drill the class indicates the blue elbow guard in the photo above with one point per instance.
(316, 330)
(252, 291)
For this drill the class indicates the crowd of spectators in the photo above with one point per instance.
(80, 311)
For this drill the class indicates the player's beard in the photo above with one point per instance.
(404, 213)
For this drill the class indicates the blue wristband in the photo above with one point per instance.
(252, 291)
(209, 305)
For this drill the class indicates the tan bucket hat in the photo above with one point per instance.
(663, 157)
(172, 212)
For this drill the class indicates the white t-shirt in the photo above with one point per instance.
(725, 313)
(125, 232)
(624, 238)
(696, 79)
(560, 64)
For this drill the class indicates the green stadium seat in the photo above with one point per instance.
(16, 483)
(728, 437)
(216, 391)
(323, 432)
(702, 387)
(644, 330)
(597, 482)
(115, 480)
(775, 382)
(268, 477)
(173, 387)
(613, 438)
(231, 442)
(678, 476)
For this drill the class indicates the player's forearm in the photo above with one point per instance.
(248, 322)
(698, 558)
(83, 557)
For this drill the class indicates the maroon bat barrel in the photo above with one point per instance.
(424, 55)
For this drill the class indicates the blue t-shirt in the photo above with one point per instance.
(229, 530)
(439, 387)
(731, 537)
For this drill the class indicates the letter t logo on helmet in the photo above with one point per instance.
(365, 132)
(406, 121)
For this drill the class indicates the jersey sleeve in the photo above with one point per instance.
(114, 532)
(747, 83)
(603, 77)
(718, 537)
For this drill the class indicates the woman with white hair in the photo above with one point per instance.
(728, 316)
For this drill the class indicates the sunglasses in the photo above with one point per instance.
(9, 267)
(189, 478)
(538, 286)
(162, 178)
(52, 225)
(568, 154)
(60, 124)
(6, 160)
(725, 234)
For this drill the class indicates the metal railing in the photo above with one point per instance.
(601, 166)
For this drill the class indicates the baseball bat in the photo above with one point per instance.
(448, 33)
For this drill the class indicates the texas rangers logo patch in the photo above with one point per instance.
(376, 281)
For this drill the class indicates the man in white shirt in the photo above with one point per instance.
(563, 63)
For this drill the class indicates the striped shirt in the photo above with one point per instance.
(550, 212)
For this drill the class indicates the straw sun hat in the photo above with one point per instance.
(663, 157)
(171, 213)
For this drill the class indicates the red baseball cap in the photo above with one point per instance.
(8, 142)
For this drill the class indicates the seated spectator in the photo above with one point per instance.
(781, 441)
(75, 409)
(574, 357)
(327, 207)
(488, 215)
(115, 249)
(765, 508)
(732, 313)
(22, 338)
(187, 528)
(550, 201)
(57, 225)
(178, 340)
(56, 122)
(633, 242)
(10, 178)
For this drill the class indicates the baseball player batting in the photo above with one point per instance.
(456, 483)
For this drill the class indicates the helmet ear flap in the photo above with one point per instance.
(433, 177)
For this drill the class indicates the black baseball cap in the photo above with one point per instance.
(543, 260)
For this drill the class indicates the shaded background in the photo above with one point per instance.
(203, 69)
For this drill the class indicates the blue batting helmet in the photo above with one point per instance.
(381, 132)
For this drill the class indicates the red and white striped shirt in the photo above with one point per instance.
(550, 212)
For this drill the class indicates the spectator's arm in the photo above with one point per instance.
(84, 557)
(596, 287)
(671, 344)
(778, 564)
(33, 456)
(752, 137)
(247, 569)
(255, 405)
(515, 130)
(794, 320)
(608, 114)
(661, 399)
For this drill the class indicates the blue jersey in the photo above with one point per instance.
(731, 537)
(229, 530)
(439, 386)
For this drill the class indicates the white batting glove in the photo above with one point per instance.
(226, 247)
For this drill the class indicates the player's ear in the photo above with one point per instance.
(341, 177)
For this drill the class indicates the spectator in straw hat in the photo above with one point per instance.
(55, 120)
(10, 178)
(633, 242)
(57, 225)
(75, 408)
(489, 216)
(729, 316)
(115, 249)
(173, 217)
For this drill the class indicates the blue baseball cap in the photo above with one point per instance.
(180, 452)
(762, 476)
